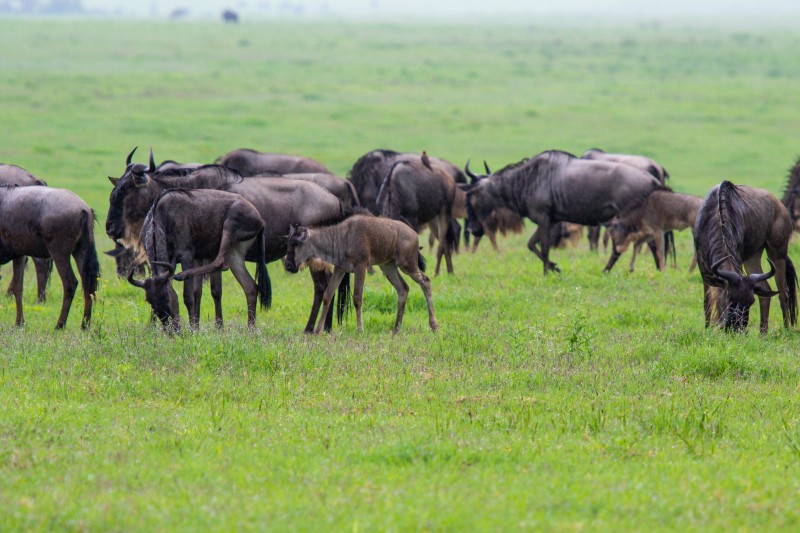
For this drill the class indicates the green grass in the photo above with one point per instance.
(578, 401)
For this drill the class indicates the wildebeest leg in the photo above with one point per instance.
(693, 263)
(358, 293)
(425, 284)
(661, 260)
(442, 224)
(327, 297)
(15, 288)
(43, 267)
(237, 266)
(69, 282)
(10, 290)
(612, 260)
(636, 247)
(542, 236)
(215, 282)
(399, 284)
(753, 266)
(191, 295)
(593, 234)
(320, 278)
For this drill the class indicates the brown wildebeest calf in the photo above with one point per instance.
(188, 226)
(662, 211)
(46, 222)
(355, 244)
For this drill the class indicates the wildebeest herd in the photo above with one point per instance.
(257, 207)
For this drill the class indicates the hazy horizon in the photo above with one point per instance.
(450, 8)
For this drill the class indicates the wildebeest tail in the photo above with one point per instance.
(453, 235)
(421, 262)
(669, 246)
(345, 301)
(791, 284)
(263, 282)
(89, 265)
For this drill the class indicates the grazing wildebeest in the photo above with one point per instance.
(250, 162)
(360, 241)
(280, 202)
(662, 211)
(418, 193)
(15, 175)
(791, 196)
(188, 226)
(556, 186)
(501, 220)
(46, 222)
(230, 16)
(734, 225)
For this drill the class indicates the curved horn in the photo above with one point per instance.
(469, 173)
(727, 275)
(152, 163)
(486, 167)
(135, 282)
(130, 156)
(162, 277)
(756, 278)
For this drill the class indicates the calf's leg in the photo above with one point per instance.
(394, 277)
(327, 297)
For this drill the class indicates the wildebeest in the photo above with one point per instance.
(185, 226)
(662, 211)
(502, 219)
(251, 162)
(46, 222)
(418, 193)
(15, 175)
(230, 16)
(734, 225)
(280, 202)
(556, 186)
(360, 241)
(791, 195)
(126, 261)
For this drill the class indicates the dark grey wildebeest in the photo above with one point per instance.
(251, 162)
(734, 225)
(189, 226)
(353, 245)
(15, 175)
(339, 187)
(416, 192)
(46, 222)
(554, 187)
(281, 202)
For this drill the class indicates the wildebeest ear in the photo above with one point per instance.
(113, 180)
(115, 252)
(302, 234)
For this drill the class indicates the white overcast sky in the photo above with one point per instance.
(454, 8)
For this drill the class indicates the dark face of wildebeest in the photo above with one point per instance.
(129, 195)
(297, 236)
(740, 293)
(161, 296)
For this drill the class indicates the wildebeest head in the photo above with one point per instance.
(478, 205)
(294, 259)
(130, 195)
(740, 292)
(160, 294)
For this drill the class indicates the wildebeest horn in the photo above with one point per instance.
(763, 277)
(163, 277)
(135, 282)
(469, 173)
(486, 167)
(727, 275)
(152, 163)
(130, 156)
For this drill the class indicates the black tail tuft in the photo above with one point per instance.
(90, 267)
(263, 282)
(791, 284)
(453, 235)
(421, 262)
(345, 302)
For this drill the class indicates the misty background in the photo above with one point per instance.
(381, 9)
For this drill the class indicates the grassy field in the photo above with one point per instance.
(578, 401)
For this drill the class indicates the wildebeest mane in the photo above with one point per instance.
(171, 177)
(731, 224)
(792, 189)
(150, 235)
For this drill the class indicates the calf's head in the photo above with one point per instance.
(294, 249)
